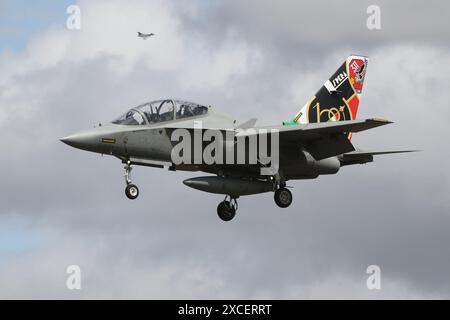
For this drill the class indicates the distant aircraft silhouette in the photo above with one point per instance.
(145, 35)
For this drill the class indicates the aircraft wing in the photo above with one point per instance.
(321, 140)
(311, 131)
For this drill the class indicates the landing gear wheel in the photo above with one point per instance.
(226, 210)
(283, 197)
(132, 191)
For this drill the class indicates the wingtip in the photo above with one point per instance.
(380, 120)
(405, 151)
(414, 150)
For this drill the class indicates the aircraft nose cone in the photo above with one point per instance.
(82, 140)
(73, 140)
(68, 140)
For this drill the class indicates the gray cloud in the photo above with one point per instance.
(301, 33)
(169, 243)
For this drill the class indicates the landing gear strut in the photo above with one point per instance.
(131, 191)
(227, 208)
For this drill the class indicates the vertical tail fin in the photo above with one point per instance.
(338, 98)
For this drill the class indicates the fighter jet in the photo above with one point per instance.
(145, 35)
(187, 136)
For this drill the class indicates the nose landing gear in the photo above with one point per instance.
(131, 190)
(227, 208)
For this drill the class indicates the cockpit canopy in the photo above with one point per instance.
(160, 111)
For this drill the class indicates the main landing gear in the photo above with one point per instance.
(131, 191)
(227, 208)
(282, 196)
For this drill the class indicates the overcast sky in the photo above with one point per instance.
(60, 206)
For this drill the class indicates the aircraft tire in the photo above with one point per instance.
(132, 191)
(283, 197)
(226, 211)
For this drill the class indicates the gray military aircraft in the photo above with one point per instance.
(145, 35)
(317, 141)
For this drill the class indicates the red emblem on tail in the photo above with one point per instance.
(357, 71)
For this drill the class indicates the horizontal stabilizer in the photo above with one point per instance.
(376, 153)
(361, 156)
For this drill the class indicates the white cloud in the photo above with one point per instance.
(109, 33)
